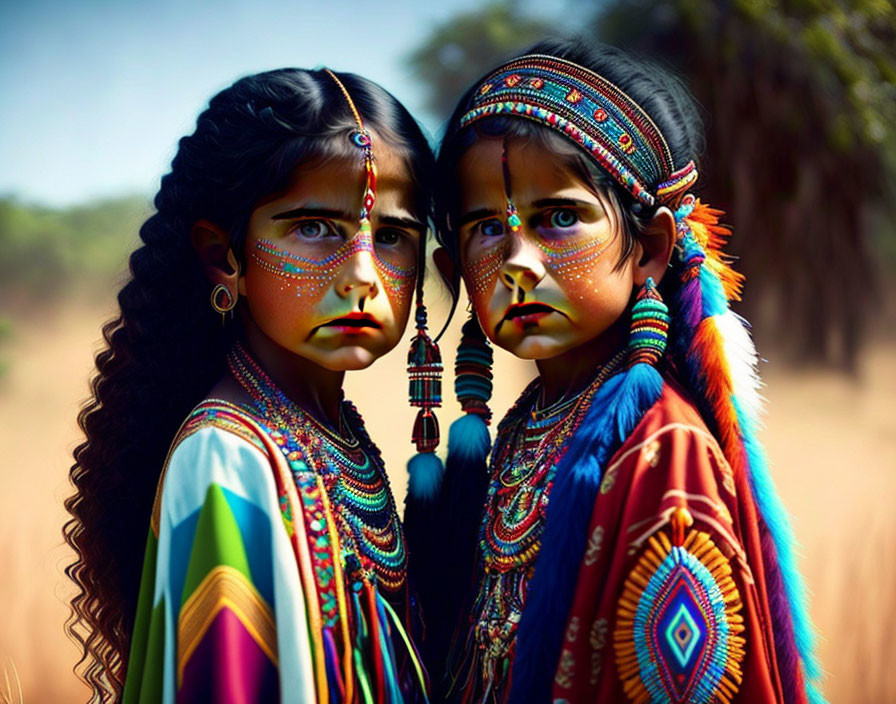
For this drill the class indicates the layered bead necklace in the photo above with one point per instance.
(529, 446)
(352, 470)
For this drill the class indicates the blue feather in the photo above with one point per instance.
(776, 519)
(616, 409)
(425, 470)
(468, 439)
(714, 300)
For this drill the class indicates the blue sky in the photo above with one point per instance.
(94, 94)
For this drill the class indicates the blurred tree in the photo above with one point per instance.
(48, 252)
(799, 98)
(458, 51)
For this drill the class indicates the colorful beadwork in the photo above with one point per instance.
(529, 446)
(649, 327)
(473, 371)
(425, 384)
(584, 107)
(347, 469)
(678, 635)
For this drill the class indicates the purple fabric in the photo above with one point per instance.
(228, 667)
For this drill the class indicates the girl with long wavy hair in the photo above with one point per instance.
(275, 564)
(631, 547)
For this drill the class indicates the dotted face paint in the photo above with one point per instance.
(482, 271)
(573, 258)
(310, 276)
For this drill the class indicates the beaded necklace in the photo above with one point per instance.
(352, 471)
(529, 446)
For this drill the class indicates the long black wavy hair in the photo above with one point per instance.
(166, 348)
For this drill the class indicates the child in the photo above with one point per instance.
(632, 547)
(275, 567)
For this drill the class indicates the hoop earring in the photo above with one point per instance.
(227, 305)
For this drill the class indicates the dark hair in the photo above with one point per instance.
(166, 348)
(661, 94)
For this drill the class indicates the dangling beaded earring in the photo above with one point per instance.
(468, 438)
(425, 391)
(223, 301)
(649, 327)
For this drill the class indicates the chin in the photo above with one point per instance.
(348, 359)
(536, 347)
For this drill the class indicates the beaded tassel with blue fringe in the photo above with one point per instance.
(616, 409)
(425, 391)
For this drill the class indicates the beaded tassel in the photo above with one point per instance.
(473, 371)
(425, 388)
(649, 327)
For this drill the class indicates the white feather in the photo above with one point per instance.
(743, 361)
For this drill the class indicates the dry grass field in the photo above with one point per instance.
(832, 440)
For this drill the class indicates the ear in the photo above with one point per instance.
(212, 244)
(447, 270)
(654, 247)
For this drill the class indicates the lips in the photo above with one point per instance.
(519, 310)
(354, 321)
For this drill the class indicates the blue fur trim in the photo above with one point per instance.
(468, 439)
(425, 470)
(776, 519)
(616, 409)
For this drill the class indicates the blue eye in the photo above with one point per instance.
(564, 218)
(314, 229)
(491, 228)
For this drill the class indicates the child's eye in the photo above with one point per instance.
(315, 229)
(563, 219)
(491, 228)
(388, 237)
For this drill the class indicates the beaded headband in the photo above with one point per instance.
(361, 139)
(594, 113)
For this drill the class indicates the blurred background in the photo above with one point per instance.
(799, 101)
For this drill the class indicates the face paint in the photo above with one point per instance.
(573, 258)
(554, 284)
(309, 275)
(482, 271)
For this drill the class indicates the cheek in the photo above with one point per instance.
(282, 293)
(481, 274)
(576, 264)
(302, 277)
(398, 279)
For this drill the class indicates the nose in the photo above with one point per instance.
(358, 279)
(523, 269)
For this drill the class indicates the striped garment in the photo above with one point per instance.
(230, 598)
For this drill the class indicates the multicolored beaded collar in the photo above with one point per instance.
(588, 109)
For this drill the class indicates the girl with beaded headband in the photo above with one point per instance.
(632, 546)
(275, 568)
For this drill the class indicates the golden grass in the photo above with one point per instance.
(832, 442)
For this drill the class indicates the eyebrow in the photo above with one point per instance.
(407, 223)
(561, 203)
(392, 220)
(476, 215)
(311, 213)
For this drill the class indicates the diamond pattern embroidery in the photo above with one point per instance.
(675, 641)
